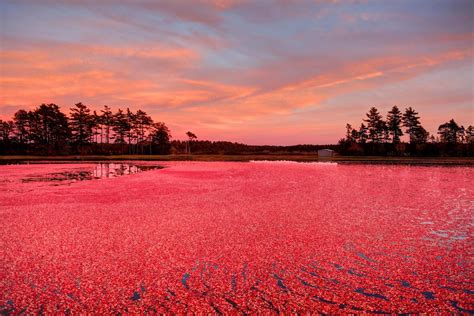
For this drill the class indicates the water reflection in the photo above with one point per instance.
(99, 171)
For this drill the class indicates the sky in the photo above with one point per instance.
(257, 72)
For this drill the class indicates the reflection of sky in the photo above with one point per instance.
(249, 71)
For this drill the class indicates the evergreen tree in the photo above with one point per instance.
(375, 125)
(363, 134)
(450, 132)
(6, 131)
(394, 121)
(130, 130)
(142, 123)
(107, 119)
(470, 135)
(121, 126)
(411, 121)
(191, 137)
(160, 138)
(21, 121)
(96, 126)
(349, 133)
(48, 126)
(81, 122)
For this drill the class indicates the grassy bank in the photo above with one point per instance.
(292, 157)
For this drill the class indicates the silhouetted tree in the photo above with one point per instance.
(141, 124)
(363, 134)
(470, 134)
(48, 126)
(96, 126)
(394, 121)
(375, 125)
(191, 137)
(160, 138)
(450, 132)
(81, 123)
(411, 121)
(349, 133)
(107, 119)
(121, 126)
(6, 131)
(21, 121)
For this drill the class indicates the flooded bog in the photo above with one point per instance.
(236, 238)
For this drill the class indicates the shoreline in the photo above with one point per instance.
(426, 161)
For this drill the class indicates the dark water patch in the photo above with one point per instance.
(99, 171)
(353, 272)
(234, 282)
(216, 309)
(361, 255)
(184, 280)
(280, 282)
(356, 308)
(335, 281)
(405, 283)
(232, 303)
(323, 300)
(428, 295)
(310, 272)
(270, 304)
(305, 283)
(451, 289)
(244, 272)
(467, 291)
(376, 295)
(281, 285)
(337, 266)
(136, 296)
(170, 292)
(455, 304)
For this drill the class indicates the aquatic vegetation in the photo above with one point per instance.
(238, 238)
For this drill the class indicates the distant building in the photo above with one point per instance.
(324, 153)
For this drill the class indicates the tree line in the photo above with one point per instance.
(377, 136)
(47, 130)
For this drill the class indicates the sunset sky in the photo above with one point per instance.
(258, 72)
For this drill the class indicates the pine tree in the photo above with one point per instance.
(363, 136)
(394, 121)
(21, 121)
(160, 138)
(450, 132)
(107, 119)
(81, 122)
(191, 137)
(48, 126)
(121, 126)
(349, 130)
(469, 134)
(6, 131)
(375, 125)
(411, 121)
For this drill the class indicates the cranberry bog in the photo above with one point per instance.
(231, 237)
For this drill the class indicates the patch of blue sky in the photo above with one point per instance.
(43, 22)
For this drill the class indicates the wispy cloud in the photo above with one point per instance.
(242, 70)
